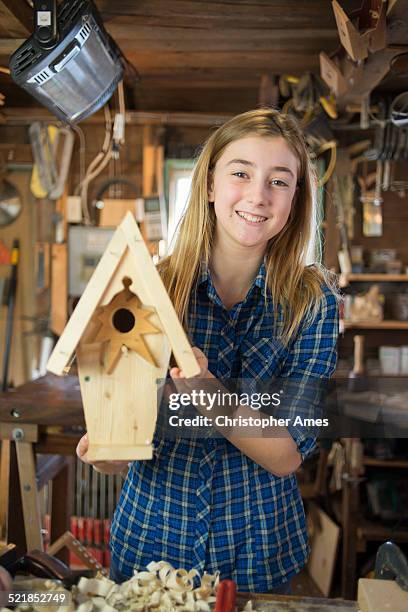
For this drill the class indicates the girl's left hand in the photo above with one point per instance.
(202, 360)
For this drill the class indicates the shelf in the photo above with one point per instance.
(379, 533)
(344, 375)
(389, 463)
(345, 279)
(370, 531)
(371, 325)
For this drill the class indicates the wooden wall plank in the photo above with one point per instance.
(59, 288)
(168, 37)
(221, 99)
(23, 117)
(281, 44)
(199, 45)
(151, 82)
(123, 26)
(257, 60)
(16, 17)
(8, 45)
(187, 13)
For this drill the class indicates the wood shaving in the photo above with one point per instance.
(159, 588)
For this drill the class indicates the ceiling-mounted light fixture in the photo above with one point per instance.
(70, 64)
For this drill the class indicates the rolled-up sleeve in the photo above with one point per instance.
(310, 363)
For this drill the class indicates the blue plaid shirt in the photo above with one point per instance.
(201, 503)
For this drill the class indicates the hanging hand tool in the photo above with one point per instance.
(344, 253)
(43, 143)
(12, 290)
(391, 563)
(47, 179)
(357, 381)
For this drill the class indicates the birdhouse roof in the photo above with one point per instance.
(126, 236)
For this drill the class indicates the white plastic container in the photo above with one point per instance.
(390, 360)
(404, 360)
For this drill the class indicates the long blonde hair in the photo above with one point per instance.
(295, 287)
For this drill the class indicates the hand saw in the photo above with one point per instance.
(47, 181)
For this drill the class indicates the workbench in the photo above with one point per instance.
(281, 603)
(40, 425)
(376, 414)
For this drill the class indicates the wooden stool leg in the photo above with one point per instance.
(15, 519)
(62, 504)
(4, 487)
(350, 513)
(29, 496)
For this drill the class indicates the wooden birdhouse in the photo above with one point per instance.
(122, 331)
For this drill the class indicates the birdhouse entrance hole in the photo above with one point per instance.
(123, 320)
(122, 324)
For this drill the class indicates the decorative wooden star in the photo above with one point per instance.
(123, 323)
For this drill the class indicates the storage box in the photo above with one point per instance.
(398, 304)
(390, 360)
(404, 360)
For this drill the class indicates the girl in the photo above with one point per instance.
(252, 308)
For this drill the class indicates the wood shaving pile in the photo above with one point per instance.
(160, 589)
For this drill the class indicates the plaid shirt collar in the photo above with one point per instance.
(204, 277)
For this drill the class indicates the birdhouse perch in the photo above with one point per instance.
(122, 331)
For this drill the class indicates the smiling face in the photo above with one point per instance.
(253, 187)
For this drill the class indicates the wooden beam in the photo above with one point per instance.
(190, 74)
(218, 44)
(25, 116)
(262, 14)
(123, 27)
(16, 17)
(222, 100)
(9, 45)
(168, 38)
(150, 83)
(276, 62)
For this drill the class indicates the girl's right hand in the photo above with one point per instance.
(105, 467)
